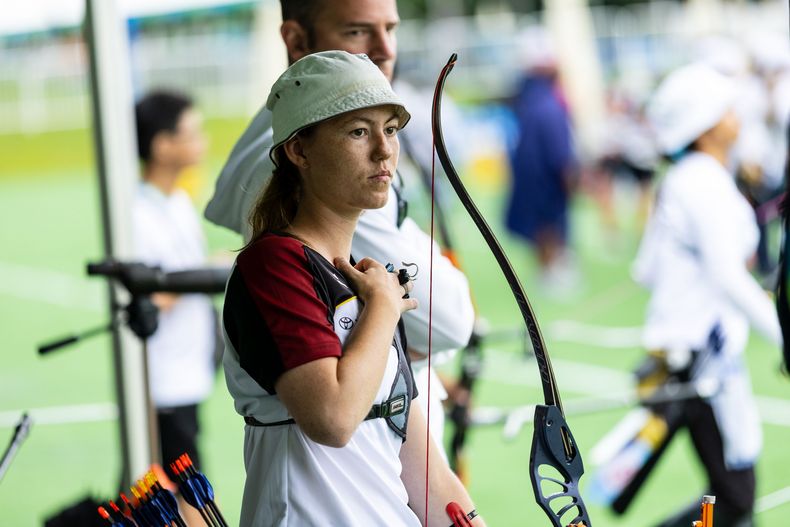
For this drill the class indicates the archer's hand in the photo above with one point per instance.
(374, 284)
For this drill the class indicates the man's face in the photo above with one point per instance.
(186, 145)
(359, 26)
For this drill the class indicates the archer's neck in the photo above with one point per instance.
(327, 231)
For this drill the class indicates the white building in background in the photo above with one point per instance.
(224, 51)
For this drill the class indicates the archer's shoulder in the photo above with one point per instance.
(270, 251)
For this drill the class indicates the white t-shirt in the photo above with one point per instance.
(167, 233)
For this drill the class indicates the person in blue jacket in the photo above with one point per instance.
(542, 163)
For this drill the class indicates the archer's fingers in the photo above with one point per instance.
(407, 304)
(367, 263)
(348, 270)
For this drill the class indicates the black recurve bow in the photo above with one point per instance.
(555, 461)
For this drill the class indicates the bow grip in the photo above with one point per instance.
(556, 491)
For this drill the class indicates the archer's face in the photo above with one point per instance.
(348, 162)
(359, 26)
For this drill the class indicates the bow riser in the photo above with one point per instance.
(551, 440)
(553, 444)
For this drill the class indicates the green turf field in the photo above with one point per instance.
(49, 217)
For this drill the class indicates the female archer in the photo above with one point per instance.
(315, 353)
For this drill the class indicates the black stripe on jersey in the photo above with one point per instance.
(249, 335)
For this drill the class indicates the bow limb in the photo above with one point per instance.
(552, 443)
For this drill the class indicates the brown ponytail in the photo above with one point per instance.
(278, 202)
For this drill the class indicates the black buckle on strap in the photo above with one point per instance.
(395, 406)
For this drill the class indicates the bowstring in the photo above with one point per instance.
(430, 298)
(430, 326)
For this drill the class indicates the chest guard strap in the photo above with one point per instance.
(389, 408)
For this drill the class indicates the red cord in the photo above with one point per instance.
(430, 334)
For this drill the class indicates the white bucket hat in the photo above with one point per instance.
(690, 101)
(324, 85)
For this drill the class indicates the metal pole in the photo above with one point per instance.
(113, 124)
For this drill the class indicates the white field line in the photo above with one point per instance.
(605, 300)
(595, 335)
(50, 287)
(598, 381)
(772, 500)
(57, 415)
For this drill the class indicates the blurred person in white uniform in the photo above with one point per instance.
(770, 57)
(167, 233)
(628, 154)
(694, 259)
(758, 155)
(387, 235)
(770, 54)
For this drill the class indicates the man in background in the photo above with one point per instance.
(167, 233)
(387, 234)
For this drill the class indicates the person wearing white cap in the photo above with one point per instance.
(387, 234)
(694, 258)
(758, 154)
(315, 353)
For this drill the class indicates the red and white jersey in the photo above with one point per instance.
(286, 305)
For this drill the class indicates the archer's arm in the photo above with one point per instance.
(443, 484)
(329, 397)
